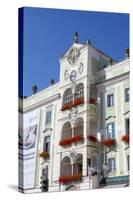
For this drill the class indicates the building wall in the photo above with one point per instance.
(113, 79)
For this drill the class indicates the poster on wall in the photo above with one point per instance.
(28, 134)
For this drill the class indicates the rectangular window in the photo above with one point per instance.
(127, 126)
(111, 130)
(128, 163)
(47, 144)
(112, 164)
(127, 95)
(48, 117)
(110, 100)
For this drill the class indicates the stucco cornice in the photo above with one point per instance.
(35, 104)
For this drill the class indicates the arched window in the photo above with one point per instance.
(78, 165)
(79, 92)
(79, 127)
(67, 97)
(66, 168)
(66, 131)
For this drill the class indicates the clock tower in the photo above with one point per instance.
(77, 119)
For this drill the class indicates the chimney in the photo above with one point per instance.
(127, 53)
(34, 89)
(76, 37)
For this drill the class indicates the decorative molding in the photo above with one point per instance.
(73, 56)
(73, 115)
(40, 103)
(126, 112)
(72, 154)
(110, 117)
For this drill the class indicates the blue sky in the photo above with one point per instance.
(48, 33)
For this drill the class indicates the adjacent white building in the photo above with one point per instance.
(74, 134)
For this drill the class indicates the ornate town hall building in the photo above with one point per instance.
(75, 134)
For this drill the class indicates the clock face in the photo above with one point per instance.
(73, 75)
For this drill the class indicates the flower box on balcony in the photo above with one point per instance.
(78, 101)
(71, 178)
(92, 101)
(92, 138)
(125, 138)
(66, 142)
(109, 142)
(67, 106)
(44, 154)
(78, 138)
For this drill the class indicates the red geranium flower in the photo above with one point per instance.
(78, 101)
(109, 142)
(65, 142)
(92, 138)
(70, 178)
(67, 106)
(125, 138)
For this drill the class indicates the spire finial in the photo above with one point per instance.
(76, 37)
(127, 53)
(34, 89)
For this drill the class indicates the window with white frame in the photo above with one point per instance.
(127, 95)
(110, 100)
(127, 125)
(48, 117)
(112, 164)
(111, 130)
(46, 146)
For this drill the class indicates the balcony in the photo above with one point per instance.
(69, 105)
(69, 141)
(66, 142)
(78, 101)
